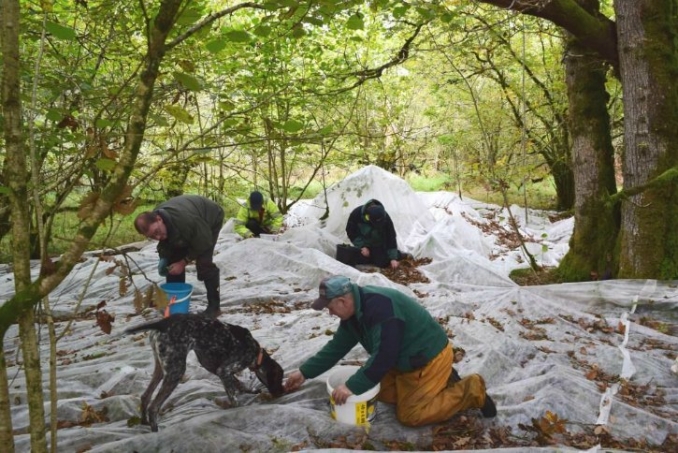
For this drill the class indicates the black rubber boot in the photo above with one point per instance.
(454, 377)
(213, 298)
(212, 311)
(488, 410)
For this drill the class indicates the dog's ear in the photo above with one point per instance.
(271, 374)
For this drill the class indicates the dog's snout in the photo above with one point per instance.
(273, 378)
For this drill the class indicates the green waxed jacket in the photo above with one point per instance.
(193, 222)
(393, 328)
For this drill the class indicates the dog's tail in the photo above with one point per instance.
(160, 326)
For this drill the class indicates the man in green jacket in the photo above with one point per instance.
(186, 228)
(258, 216)
(410, 355)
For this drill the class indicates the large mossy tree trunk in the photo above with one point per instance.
(596, 222)
(648, 54)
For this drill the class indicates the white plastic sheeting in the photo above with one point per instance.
(533, 345)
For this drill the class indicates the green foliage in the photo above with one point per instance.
(425, 183)
(539, 195)
(311, 191)
(260, 98)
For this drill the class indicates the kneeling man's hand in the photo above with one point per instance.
(294, 381)
(341, 394)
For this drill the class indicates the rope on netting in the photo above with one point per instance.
(628, 369)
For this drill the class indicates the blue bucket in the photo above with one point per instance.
(179, 297)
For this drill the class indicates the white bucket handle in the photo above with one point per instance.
(178, 301)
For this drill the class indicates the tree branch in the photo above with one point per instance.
(209, 20)
(594, 30)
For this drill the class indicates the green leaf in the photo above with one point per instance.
(238, 36)
(226, 105)
(293, 126)
(158, 120)
(53, 115)
(426, 13)
(179, 113)
(5, 190)
(60, 32)
(215, 45)
(326, 130)
(190, 15)
(355, 22)
(187, 80)
(298, 31)
(400, 11)
(262, 30)
(446, 18)
(101, 123)
(105, 164)
(271, 6)
(314, 21)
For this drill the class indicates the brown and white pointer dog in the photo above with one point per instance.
(222, 349)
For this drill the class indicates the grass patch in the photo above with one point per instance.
(528, 277)
(434, 183)
(540, 195)
(313, 189)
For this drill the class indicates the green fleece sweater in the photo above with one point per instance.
(393, 328)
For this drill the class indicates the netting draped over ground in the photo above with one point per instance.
(588, 353)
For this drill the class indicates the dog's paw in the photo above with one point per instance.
(265, 396)
(224, 402)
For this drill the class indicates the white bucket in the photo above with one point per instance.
(358, 410)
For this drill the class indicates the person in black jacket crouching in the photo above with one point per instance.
(371, 231)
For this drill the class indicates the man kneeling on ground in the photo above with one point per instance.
(371, 231)
(410, 354)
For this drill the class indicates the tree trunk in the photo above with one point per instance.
(31, 354)
(15, 170)
(591, 253)
(6, 438)
(563, 178)
(648, 56)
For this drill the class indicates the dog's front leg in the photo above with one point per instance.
(245, 389)
(231, 384)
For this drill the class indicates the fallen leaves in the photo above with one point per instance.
(90, 415)
(406, 273)
(104, 319)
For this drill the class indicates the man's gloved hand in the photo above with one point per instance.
(162, 267)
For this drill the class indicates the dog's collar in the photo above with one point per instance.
(260, 358)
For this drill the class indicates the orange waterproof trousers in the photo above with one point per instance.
(424, 396)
